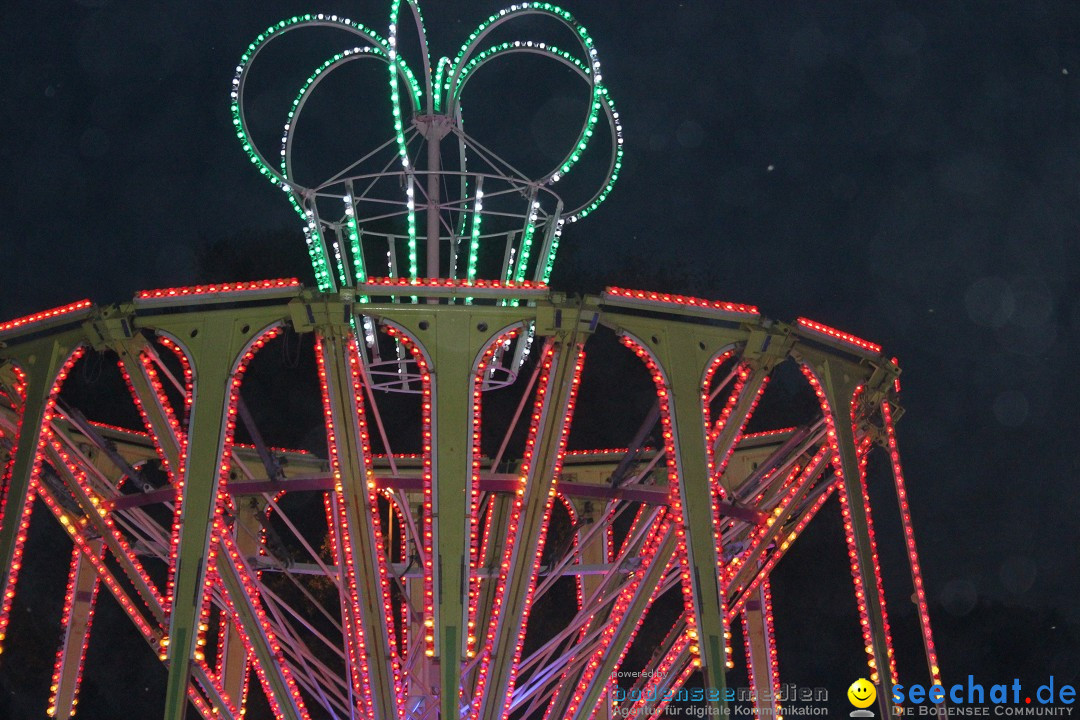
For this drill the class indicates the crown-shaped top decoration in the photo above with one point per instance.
(467, 211)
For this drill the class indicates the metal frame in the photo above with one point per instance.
(441, 635)
(369, 214)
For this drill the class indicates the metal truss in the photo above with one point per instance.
(409, 594)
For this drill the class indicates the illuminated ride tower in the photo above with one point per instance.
(366, 581)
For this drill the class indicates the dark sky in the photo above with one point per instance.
(909, 172)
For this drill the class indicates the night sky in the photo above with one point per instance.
(909, 172)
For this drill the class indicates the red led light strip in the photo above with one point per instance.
(355, 640)
(189, 378)
(19, 404)
(232, 555)
(403, 556)
(781, 550)
(909, 541)
(478, 547)
(65, 624)
(494, 624)
(27, 507)
(667, 299)
(132, 567)
(873, 662)
(428, 491)
(217, 289)
(451, 283)
(223, 630)
(127, 605)
(658, 678)
(605, 451)
(679, 682)
(177, 475)
(839, 335)
(770, 648)
(618, 611)
(781, 547)
(865, 497)
(383, 589)
(607, 699)
(605, 622)
(674, 495)
(349, 603)
(579, 583)
(716, 470)
(759, 535)
(770, 634)
(22, 322)
(767, 433)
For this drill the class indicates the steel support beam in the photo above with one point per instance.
(41, 361)
(214, 342)
(344, 419)
(454, 353)
(761, 652)
(839, 382)
(234, 656)
(83, 586)
(453, 344)
(685, 387)
(527, 544)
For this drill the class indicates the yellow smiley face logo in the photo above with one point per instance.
(862, 693)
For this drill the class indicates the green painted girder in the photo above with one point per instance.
(111, 333)
(41, 360)
(527, 542)
(75, 632)
(369, 564)
(740, 413)
(234, 656)
(453, 343)
(758, 641)
(214, 342)
(840, 384)
(683, 359)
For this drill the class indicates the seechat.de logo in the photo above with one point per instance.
(972, 698)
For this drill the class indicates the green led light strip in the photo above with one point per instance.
(440, 91)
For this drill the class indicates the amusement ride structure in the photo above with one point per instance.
(370, 581)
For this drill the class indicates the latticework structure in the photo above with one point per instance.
(359, 580)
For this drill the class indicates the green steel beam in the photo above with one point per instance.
(453, 342)
(526, 543)
(110, 334)
(758, 642)
(75, 632)
(41, 360)
(683, 358)
(839, 380)
(685, 365)
(369, 563)
(214, 341)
